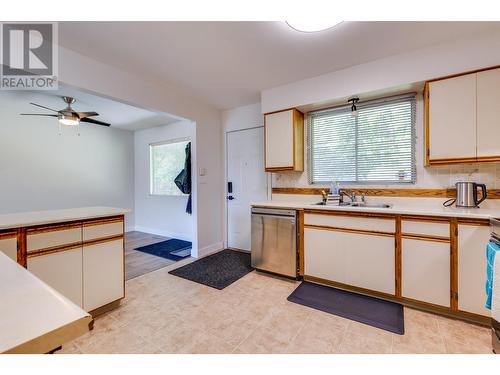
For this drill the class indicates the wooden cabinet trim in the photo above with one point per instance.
(454, 264)
(300, 215)
(8, 234)
(101, 221)
(53, 227)
(422, 193)
(424, 237)
(476, 222)
(22, 256)
(398, 257)
(427, 143)
(349, 230)
(55, 249)
(103, 240)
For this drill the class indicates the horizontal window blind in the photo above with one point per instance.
(376, 146)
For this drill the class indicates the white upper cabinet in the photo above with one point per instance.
(463, 118)
(452, 118)
(284, 141)
(488, 114)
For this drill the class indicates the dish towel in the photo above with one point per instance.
(495, 299)
(491, 249)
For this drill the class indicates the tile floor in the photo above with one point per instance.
(166, 314)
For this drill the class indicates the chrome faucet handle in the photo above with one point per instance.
(353, 196)
(363, 197)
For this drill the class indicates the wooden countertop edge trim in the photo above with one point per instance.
(53, 339)
(422, 193)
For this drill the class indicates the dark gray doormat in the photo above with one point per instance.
(172, 249)
(218, 270)
(368, 310)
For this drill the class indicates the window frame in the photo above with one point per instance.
(410, 97)
(151, 165)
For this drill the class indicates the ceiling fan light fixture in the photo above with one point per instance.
(69, 120)
(312, 25)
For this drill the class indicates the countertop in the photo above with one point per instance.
(27, 219)
(34, 317)
(399, 209)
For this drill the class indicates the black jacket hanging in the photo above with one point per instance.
(183, 179)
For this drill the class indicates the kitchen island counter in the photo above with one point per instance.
(35, 318)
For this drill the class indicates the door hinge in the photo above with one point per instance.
(454, 295)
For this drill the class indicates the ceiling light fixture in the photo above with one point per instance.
(69, 120)
(312, 25)
(354, 108)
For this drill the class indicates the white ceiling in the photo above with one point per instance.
(119, 115)
(227, 64)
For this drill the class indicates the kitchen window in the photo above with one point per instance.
(375, 146)
(166, 162)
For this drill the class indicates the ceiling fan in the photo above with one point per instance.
(68, 116)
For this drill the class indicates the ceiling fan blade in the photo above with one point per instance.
(92, 121)
(41, 106)
(82, 115)
(38, 114)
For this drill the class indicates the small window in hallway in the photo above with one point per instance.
(167, 161)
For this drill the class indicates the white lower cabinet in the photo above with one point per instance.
(472, 240)
(103, 273)
(361, 260)
(426, 271)
(60, 270)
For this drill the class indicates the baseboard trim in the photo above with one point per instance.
(164, 233)
(210, 249)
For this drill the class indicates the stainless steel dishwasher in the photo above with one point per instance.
(274, 241)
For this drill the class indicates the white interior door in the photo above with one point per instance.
(245, 172)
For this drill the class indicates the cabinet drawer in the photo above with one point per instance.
(103, 273)
(94, 231)
(425, 228)
(349, 222)
(38, 239)
(61, 270)
(9, 247)
(426, 271)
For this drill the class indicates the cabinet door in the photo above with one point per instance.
(279, 139)
(103, 273)
(361, 260)
(488, 113)
(62, 271)
(472, 241)
(426, 271)
(9, 247)
(324, 256)
(452, 118)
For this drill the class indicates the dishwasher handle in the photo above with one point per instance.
(283, 213)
